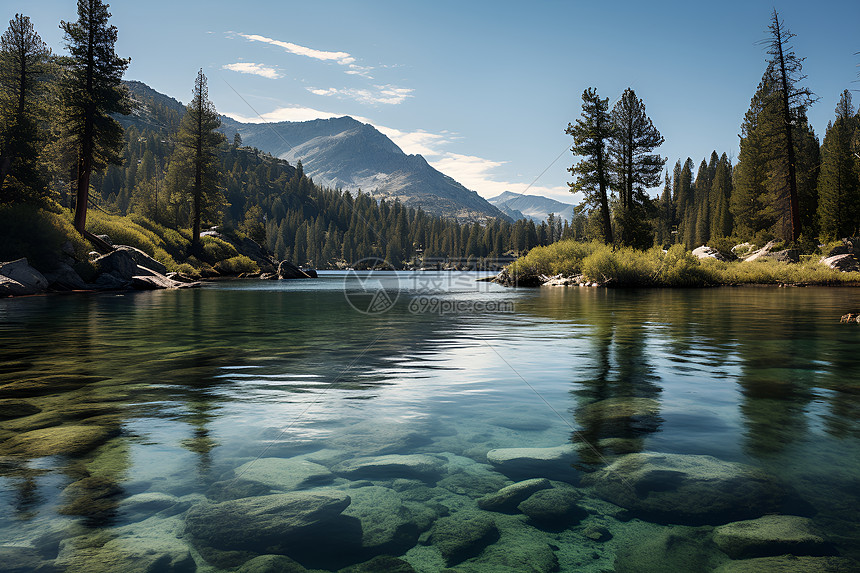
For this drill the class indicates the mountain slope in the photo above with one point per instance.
(534, 207)
(345, 153)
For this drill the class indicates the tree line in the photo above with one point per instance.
(784, 184)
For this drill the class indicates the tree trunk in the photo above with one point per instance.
(794, 203)
(601, 176)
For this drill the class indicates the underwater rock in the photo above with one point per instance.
(518, 463)
(554, 507)
(375, 438)
(46, 385)
(674, 549)
(278, 523)
(142, 553)
(149, 503)
(688, 489)
(11, 409)
(507, 498)
(463, 535)
(271, 564)
(520, 548)
(771, 535)
(597, 532)
(236, 489)
(16, 559)
(380, 564)
(90, 496)
(789, 564)
(417, 466)
(621, 417)
(57, 440)
(387, 525)
(284, 474)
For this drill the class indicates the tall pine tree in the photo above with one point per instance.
(591, 135)
(634, 168)
(92, 92)
(197, 158)
(24, 60)
(838, 185)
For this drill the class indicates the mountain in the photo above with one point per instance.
(339, 153)
(533, 207)
(347, 154)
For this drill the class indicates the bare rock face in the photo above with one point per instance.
(18, 278)
(687, 489)
(705, 252)
(846, 262)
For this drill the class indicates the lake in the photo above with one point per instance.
(382, 418)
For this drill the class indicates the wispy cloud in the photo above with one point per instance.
(290, 113)
(356, 70)
(343, 58)
(255, 69)
(386, 94)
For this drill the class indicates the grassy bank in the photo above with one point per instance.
(44, 236)
(676, 268)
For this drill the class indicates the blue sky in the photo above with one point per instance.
(483, 90)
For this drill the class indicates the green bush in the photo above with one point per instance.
(124, 231)
(237, 265)
(38, 234)
(189, 271)
(215, 249)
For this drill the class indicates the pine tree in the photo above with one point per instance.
(787, 71)
(196, 155)
(839, 186)
(721, 193)
(24, 60)
(685, 209)
(634, 169)
(702, 206)
(92, 91)
(590, 137)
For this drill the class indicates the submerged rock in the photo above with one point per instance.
(690, 489)
(553, 463)
(520, 548)
(507, 498)
(387, 524)
(144, 552)
(789, 564)
(284, 474)
(378, 438)
(554, 507)
(11, 409)
(674, 549)
(417, 466)
(771, 535)
(380, 564)
(15, 559)
(463, 535)
(624, 417)
(278, 523)
(58, 440)
(271, 564)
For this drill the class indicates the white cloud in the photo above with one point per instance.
(415, 142)
(291, 113)
(356, 70)
(343, 58)
(387, 94)
(255, 69)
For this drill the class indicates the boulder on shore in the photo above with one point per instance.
(705, 252)
(18, 278)
(287, 270)
(846, 262)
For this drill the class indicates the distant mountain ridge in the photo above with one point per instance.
(339, 153)
(535, 207)
(347, 154)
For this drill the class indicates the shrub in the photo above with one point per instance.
(237, 265)
(189, 271)
(38, 234)
(215, 249)
(124, 231)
